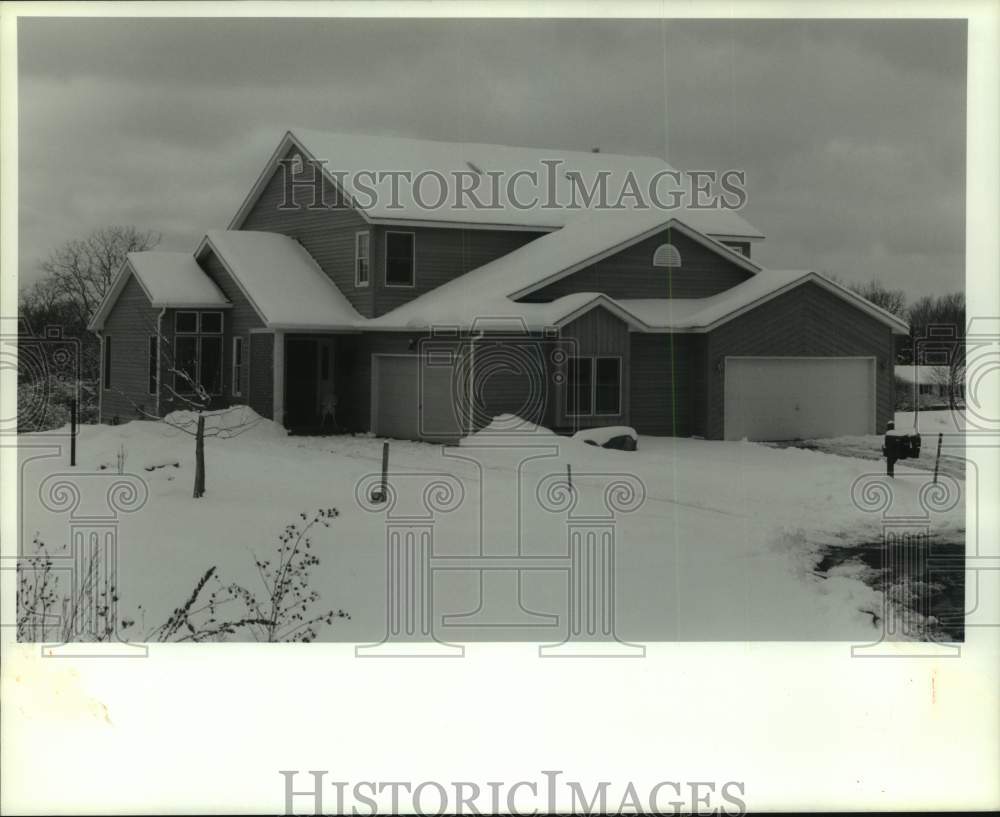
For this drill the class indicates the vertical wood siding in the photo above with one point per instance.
(631, 274)
(666, 393)
(596, 332)
(807, 321)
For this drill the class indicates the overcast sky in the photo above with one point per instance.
(852, 134)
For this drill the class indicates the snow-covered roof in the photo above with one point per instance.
(281, 280)
(477, 307)
(491, 290)
(348, 155)
(168, 279)
(174, 279)
(922, 375)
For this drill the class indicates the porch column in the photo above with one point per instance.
(278, 353)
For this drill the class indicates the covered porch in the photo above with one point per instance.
(311, 372)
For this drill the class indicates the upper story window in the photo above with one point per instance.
(361, 259)
(190, 323)
(742, 249)
(667, 255)
(400, 255)
(296, 163)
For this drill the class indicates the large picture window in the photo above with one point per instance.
(198, 352)
(594, 386)
(400, 253)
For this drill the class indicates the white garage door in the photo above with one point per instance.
(412, 399)
(784, 398)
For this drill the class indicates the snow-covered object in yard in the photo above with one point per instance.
(505, 429)
(168, 279)
(282, 280)
(352, 158)
(234, 421)
(604, 437)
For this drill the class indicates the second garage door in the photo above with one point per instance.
(781, 398)
(412, 400)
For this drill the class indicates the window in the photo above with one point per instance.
(237, 366)
(740, 248)
(198, 352)
(926, 388)
(296, 163)
(107, 361)
(666, 255)
(210, 364)
(186, 322)
(361, 259)
(152, 356)
(607, 386)
(185, 364)
(399, 259)
(211, 322)
(594, 386)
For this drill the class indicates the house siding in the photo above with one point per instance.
(327, 233)
(260, 356)
(237, 322)
(131, 322)
(808, 321)
(667, 384)
(631, 274)
(441, 255)
(596, 332)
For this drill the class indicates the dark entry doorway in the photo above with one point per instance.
(309, 392)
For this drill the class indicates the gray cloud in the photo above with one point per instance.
(852, 134)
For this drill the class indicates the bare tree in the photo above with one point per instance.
(891, 300)
(951, 378)
(81, 270)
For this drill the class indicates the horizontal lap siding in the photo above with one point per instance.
(442, 254)
(238, 321)
(328, 234)
(631, 274)
(665, 384)
(808, 321)
(131, 322)
(261, 373)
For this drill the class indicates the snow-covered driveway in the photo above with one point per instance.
(722, 546)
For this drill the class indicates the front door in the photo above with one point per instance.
(301, 386)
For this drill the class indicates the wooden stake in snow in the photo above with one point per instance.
(383, 490)
(199, 458)
(569, 476)
(937, 459)
(72, 432)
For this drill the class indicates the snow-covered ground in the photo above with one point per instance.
(929, 424)
(723, 546)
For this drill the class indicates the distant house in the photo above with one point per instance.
(426, 323)
(931, 384)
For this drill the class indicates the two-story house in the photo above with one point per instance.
(383, 314)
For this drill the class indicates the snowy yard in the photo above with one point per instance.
(929, 424)
(724, 546)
